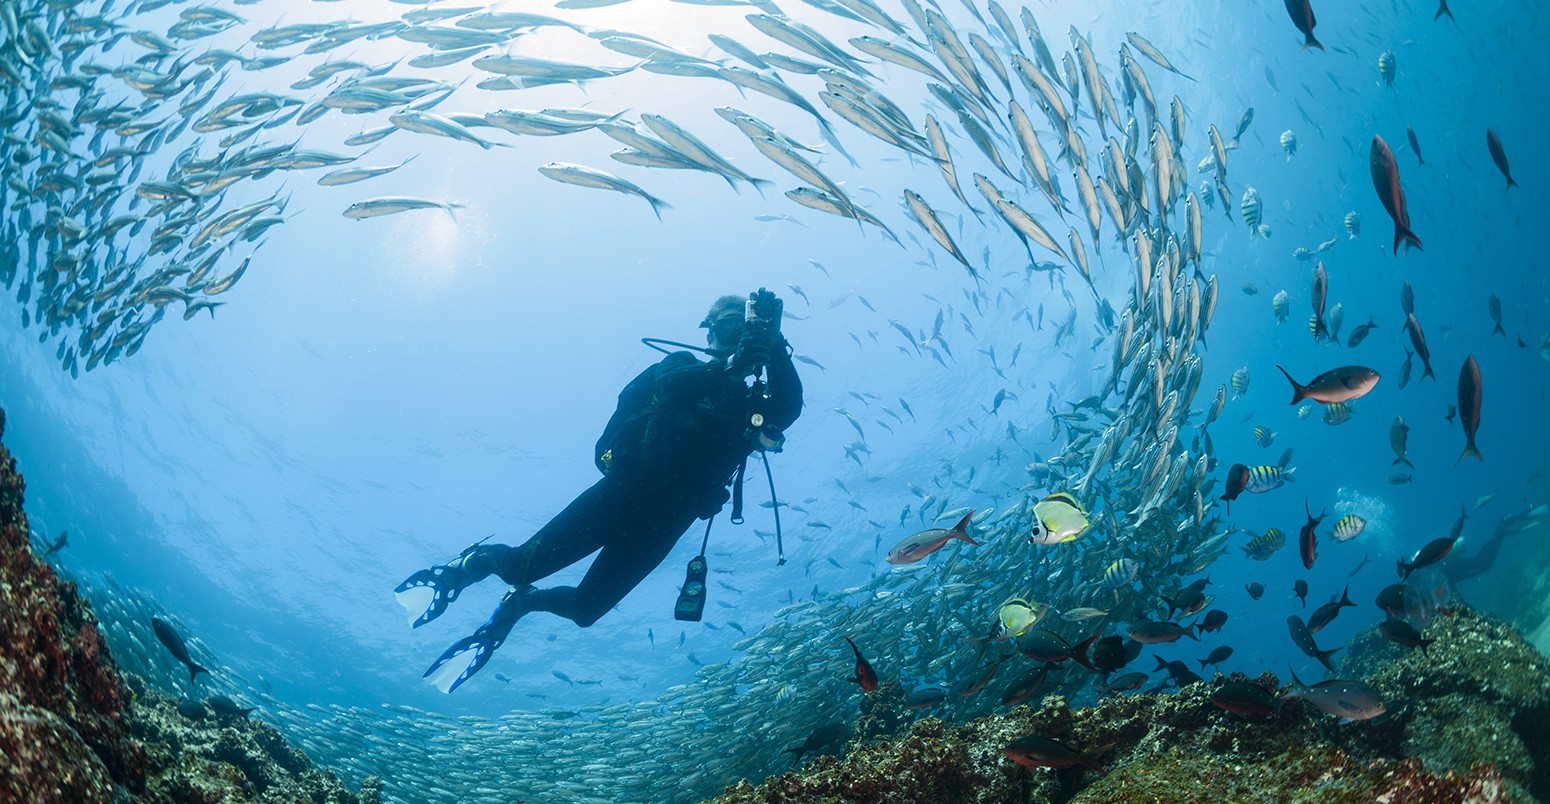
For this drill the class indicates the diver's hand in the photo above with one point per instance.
(753, 350)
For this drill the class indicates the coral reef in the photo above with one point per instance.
(72, 728)
(1466, 723)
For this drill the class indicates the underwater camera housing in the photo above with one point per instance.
(691, 598)
(762, 312)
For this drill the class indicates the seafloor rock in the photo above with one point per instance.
(71, 729)
(1467, 722)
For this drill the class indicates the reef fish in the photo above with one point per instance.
(1349, 700)
(1431, 553)
(1307, 538)
(1418, 340)
(926, 542)
(1402, 633)
(1262, 547)
(1302, 17)
(1385, 179)
(1017, 616)
(1057, 518)
(1325, 614)
(175, 646)
(1498, 155)
(1469, 407)
(1304, 640)
(1151, 633)
(1399, 434)
(865, 675)
(1336, 385)
(1349, 527)
(1036, 751)
(1241, 698)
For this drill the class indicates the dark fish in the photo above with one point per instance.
(1125, 683)
(174, 643)
(1403, 633)
(1302, 17)
(1469, 407)
(1414, 145)
(1113, 652)
(1244, 120)
(974, 687)
(1049, 647)
(1178, 672)
(1359, 333)
(1418, 340)
(1300, 589)
(1256, 590)
(1042, 752)
(59, 544)
(1214, 620)
(221, 705)
(1025, 687)
(1392, 599)
(192, 709)
(1336, 385)
(924, 698)
(1433, 552)
(1320, 298)
(1399, 434)
(1307, 538)
(1187, 601)
(1241, 698)
(865, 675)
(1498, 155)
(1443, 9)
(1495, 306)
(1453, 410)
(1216, 656)
(1151, 633)
(1325, 614)
(821, 736)
(1237, 481)
(1385, 179)
(1304, 640)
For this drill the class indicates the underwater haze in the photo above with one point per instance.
(372, 393)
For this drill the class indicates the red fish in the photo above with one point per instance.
(1336, 385)
(865, 675)
(926, 542)
(1469, 407)
(1308, 538)
(1302, 17)
(1498, 155)
(1385, 179)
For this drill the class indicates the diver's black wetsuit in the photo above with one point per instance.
(678, 434)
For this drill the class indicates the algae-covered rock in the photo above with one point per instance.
(72, 728)
(1469, 720)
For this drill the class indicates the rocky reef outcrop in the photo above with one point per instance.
(1468, 720)
(73, 728)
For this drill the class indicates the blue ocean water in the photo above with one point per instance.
(376, 395)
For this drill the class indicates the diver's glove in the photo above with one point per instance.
(471, 653)
(430, 590)
(753, 350)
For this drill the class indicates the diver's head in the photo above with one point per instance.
(724, 325)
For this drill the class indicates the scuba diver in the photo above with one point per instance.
(680, 436)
